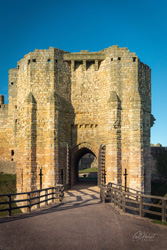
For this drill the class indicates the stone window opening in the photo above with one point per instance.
(119, 58)
(56, 60)
(12, 159)
(34, 60)
(89, 64)
(111, 59)
(49, 60)
(0, 106)
(12, 152)
(77, 64)
(28, 61)
(134, 59)
(18, 66)
(15, 125)
(12, 83)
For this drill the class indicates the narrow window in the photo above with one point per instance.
(12, 83)
(12, 152)
(49, 60)
(111, 59)
(134, 59)
(18, 66)
(28, 61)
(34, 60)
(15, 125)
(119, 58)
(56, 61)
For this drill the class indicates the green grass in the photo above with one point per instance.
(7, 186)
(159, 222)
(88, 170)
(87, 178)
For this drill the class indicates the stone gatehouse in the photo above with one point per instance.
(64, 105)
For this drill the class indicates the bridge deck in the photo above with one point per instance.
(83, 193)
(81, 222)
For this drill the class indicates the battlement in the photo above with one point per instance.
(1, 99)
(88, 56)
(3, 107)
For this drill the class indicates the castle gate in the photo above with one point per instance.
(76, 154)
(63, 104)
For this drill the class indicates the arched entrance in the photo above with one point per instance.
(84, 153)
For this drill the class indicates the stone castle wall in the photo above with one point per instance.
(155, 152)
(61, 103)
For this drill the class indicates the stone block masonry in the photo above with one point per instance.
(63, 105)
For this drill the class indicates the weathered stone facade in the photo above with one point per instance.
(63, 105)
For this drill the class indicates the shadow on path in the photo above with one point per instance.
(71, 200)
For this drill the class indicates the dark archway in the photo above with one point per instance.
(75, 177)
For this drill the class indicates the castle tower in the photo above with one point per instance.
(63, 105)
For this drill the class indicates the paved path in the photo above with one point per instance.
(81, 222)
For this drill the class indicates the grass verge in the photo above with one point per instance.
(88, 170)
(159, 222)
(7, 186)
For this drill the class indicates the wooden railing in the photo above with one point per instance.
(134, 200)
(33, 198)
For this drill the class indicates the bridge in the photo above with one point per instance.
(81, 221)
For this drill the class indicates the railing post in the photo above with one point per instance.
(111, 195)
(141, 206)
(103, 194)
(46, 197)
(56, 193)
(29, 202)
(38, 193)
(10, 205)
(127, 190)
(114, 196)
(52, 194)
(163, 209)
(123, 203)
(62, 194)
(121, 199)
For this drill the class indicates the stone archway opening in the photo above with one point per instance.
(85, 167)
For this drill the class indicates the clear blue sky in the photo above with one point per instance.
(94, 25)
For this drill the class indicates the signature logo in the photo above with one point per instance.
(144, 236)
